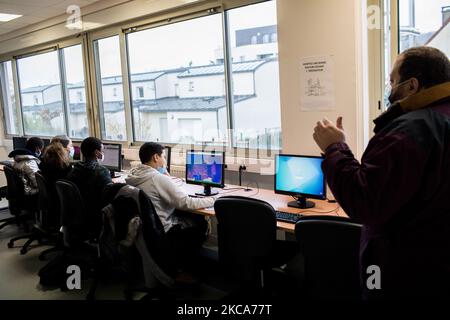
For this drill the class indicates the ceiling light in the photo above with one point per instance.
(8, 17)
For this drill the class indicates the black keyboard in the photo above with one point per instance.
(287, 216)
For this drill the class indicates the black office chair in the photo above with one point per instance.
(10, 220)
(247, 241)
(73, 215)
(22, 206)
(50, 214)
(330, 246)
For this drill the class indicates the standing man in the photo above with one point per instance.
(400, 191)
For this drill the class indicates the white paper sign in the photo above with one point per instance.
(317, 83)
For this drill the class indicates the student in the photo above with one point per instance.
(55, 163)
(400, 189)
(186, 232)
(66, 143)
(91, 179)
(26, 162)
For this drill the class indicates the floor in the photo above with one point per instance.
(19, 276)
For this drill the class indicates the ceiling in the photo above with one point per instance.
(35, 11)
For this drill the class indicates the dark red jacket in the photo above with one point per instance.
(400, 192)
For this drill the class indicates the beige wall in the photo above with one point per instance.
(319, 27)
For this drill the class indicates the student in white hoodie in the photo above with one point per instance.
(186, 232)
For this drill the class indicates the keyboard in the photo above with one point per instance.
(287, 216)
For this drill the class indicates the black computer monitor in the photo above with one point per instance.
(168, 154)
(46, 142)
(206, 169)
(19, 142)
(76, 153)
(301, 177)
(113, 157)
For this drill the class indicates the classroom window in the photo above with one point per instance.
(109, 88)
(424, 22)
(39, 76)
(75, 86)
(187, 84)
(9, 99)
(256, 93)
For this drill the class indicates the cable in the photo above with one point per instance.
(314, 211)
(257, 187)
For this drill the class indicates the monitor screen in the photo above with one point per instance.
(206, 168)
(168, 154)
(76, 153)
(300, 175)
(46, 142)
(19, 142)
(113, 156)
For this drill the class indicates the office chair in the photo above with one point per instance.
(73, 214)
(247, 240)
(330, 247)
(21, 206)
(10, 220)
(50, 214)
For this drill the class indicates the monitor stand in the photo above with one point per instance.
(207, 192)
(301, 203)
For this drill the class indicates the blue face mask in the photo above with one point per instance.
(162, 170)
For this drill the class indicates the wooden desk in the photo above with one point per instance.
(278, 201)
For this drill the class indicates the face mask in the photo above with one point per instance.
(102, 158)
(390, 93)
(162, 170)
(71, 153)
(38, 154)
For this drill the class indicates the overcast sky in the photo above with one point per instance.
(428, 14)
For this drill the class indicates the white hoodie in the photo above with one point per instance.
(166, 196)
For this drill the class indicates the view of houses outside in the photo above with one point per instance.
(177, 84)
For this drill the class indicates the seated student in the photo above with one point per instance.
(66, 143)
(26, 161)
(55, 164)
(91, 178)
(185, 232)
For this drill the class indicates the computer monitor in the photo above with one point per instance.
(301, 177)
(113, 157)
(76, 153)
(46, 142)
(19, 142)
(168, 154)
(206, 169)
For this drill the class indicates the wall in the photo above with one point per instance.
(319, 27)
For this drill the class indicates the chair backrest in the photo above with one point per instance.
(16, 190)
(73, 213)
(48, 202)
(330, 246)
(246, 233)
(44, 197)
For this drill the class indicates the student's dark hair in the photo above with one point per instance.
(63, 139)
(429, 65)
(148, 150)
(89, 146)
(34, 143)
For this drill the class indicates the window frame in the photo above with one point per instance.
(86, 40)
(35, 50)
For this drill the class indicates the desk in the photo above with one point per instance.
(278, 201)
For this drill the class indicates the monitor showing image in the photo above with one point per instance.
(300, 176)
(113, 156)
(205, 168)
